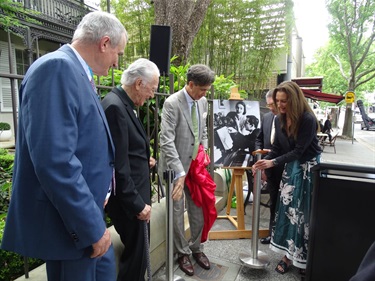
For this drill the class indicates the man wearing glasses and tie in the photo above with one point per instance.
(265, 140)
(183, 128)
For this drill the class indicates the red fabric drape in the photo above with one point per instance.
(202, 189)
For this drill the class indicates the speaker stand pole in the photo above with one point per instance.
(256, 259)
(169, 176)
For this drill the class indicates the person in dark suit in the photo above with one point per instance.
(65, 156)
(265, 140)
(129, 207)
(296, 148)
(177, 144)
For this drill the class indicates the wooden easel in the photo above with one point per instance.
(239, 220)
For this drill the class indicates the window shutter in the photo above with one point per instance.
(5, 92)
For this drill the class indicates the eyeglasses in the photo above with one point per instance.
(153, 90)
(270, 105)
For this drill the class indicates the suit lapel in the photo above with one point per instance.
(66, 49)
(129, 110)
(268, 127)
(185, 109)
(281, 136)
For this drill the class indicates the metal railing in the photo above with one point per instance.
(67, 11)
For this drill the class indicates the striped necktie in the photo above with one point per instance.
(92, 82)
(194, 120)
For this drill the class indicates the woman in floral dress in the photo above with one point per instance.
(296, 146)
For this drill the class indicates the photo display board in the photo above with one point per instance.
(236, 126)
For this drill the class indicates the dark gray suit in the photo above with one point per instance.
(274, 174)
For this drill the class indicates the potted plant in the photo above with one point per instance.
(5, 131)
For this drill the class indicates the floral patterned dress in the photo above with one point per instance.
(290, 233)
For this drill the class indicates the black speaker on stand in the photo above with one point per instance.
(160, 47)
(341, 223)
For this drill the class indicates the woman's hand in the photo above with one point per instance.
(261, 165)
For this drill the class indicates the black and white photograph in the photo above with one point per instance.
(236, 126)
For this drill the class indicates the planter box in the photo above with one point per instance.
(6, 135)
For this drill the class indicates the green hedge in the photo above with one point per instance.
(11, 264)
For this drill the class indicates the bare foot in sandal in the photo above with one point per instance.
(283, 266)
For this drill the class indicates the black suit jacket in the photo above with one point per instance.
(133, 187)
(304, 147)
(264, 137)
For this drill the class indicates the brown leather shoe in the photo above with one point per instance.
(185, 265)
(202, 260)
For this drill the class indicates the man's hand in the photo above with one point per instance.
(145, 215)
(178, 188)
(102, 246)
(152, 162)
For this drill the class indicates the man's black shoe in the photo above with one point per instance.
(266, 240)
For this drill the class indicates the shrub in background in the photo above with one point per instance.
(11, 264)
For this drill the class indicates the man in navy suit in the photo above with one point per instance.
(65, 157)
(264, 141)
(130, 206)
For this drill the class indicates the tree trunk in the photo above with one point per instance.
(347, 130)
(185, 18)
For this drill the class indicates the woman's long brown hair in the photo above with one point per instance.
(296, 106)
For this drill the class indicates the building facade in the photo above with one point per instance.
(52, 24)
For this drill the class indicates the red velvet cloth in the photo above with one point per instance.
(202, 189)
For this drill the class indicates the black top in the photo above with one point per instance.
(327, 126)
(304, 148)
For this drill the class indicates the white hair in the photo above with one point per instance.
(95, 25)
(269, 94)
(140, 69)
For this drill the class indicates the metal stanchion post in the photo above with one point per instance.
(256, 259)
(169, 276)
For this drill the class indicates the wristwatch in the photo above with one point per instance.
(274, 162)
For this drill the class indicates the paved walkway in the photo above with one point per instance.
(224, 254)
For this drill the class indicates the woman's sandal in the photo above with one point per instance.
(285, 267)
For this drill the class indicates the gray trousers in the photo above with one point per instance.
(183, 246)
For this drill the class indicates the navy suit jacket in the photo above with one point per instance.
(63, 165)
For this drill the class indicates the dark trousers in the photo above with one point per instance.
(133, 262)
(273, 184)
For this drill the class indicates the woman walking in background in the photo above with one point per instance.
(296, 146)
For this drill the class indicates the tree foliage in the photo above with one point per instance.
(137, 17)
(239, 38)
(244, 38)
(10, 15)
(352, 32)
(185, 19)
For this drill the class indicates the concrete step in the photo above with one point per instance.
(157, 239)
